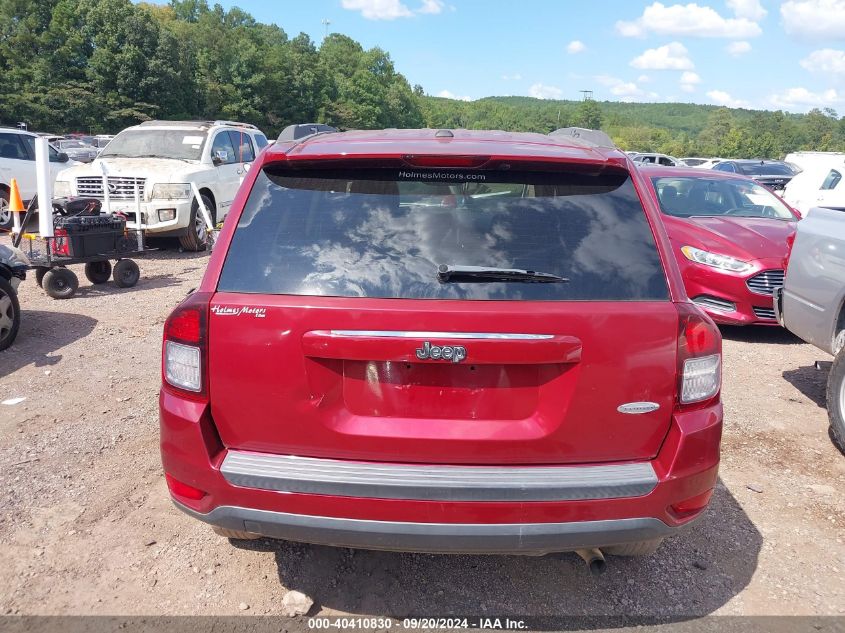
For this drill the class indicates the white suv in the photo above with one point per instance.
(161, 160)
(17, 160)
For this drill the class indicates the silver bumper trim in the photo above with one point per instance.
(443, 538)
(286, 473)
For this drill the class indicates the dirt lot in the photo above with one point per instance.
(86, 525)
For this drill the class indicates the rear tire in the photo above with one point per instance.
(10, 314)
(238, 535)
(836, 400)
(196, 235)
(640, 548)
(126, 273)
(6, 220)
(40, 271)
(60, 283)
(98, 272)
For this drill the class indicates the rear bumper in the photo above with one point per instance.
(441, 538)
(409, 507)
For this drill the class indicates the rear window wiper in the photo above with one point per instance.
(481, 274)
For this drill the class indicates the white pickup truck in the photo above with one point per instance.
(151, 168)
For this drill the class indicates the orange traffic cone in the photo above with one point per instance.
(15, 205)
(15, 202)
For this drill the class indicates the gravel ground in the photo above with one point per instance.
(86, 526)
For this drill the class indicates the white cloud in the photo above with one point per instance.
(687, 20)
(803, 99)
(625, 90)
(542, 91)
(643, 79)
(738, 48)
(751, 9)
(814, 18)
(431, 6)
(392, 9)
(689, 80)
(722, 98)
(449, 95)
(378, 9)
(575, 46)
(673, 56)
(514, 77)
(825, 60)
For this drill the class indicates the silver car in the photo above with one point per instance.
(810, 304)
(77, 150)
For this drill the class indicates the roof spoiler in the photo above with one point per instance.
(584, 136)
(300, 131)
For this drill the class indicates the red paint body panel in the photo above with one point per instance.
(270, 394)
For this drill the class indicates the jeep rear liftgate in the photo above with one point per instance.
(443, 317)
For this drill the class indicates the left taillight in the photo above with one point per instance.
(185, 347)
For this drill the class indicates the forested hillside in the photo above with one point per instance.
(101, 65)
(681, 129)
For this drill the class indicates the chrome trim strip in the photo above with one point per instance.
(444, 538)
(307, 475)
(438, 335)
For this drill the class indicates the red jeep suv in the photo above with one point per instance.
(443, 341)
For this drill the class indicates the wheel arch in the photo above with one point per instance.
(838, 324)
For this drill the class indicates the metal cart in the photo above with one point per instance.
(96, 241)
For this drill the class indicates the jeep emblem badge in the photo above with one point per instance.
(454, 353)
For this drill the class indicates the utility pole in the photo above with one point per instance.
(326, 22)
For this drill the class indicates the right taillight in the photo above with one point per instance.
(699, 356)
(184, 346)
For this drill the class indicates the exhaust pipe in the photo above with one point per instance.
(823, 365)
(594, 559)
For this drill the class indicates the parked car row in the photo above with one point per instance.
(772, 173)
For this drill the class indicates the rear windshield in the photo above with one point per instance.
(769, 169)
(385, 232)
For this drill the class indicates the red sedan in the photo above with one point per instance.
(729, 235)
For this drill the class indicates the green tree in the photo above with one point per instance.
(589, 115)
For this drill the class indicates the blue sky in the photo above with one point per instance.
(745, 53)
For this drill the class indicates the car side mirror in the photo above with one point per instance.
(59, 157)
(219, 157)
